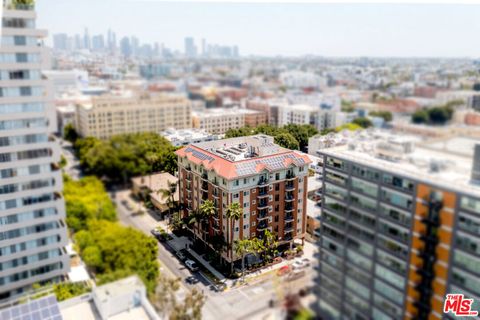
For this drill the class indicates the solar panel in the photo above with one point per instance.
(271, 163)
(199, 155)
(45, 308)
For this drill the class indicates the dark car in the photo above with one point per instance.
(191, 280)
(182, 254)
(156, 233)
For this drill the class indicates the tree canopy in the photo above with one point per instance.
(362, 122)
(86, 200)
(300, 133)
(114, 251)
(386, 115)
(437, 115)
(127, 155)
(286, 140)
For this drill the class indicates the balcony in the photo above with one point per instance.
(204, 186)
(289, 197)
(288, 229)
(289, 218)
(290, 176)
(216, 194)
(262, 215)
(429, 239)
(188, 168)
(262, 181)
(289, 208)
(431, 220)
(216, 227)
(262, 192)
(262, 205)
(425, 273)
(289, 186)
(205, 176)
(188, 177)
(262, 226)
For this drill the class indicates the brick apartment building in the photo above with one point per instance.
(268, 181)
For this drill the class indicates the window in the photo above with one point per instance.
(236, 183)
(470, 204)
(277, 197)
(364, 187)
(254, 190)
(390, 277)
(467, 281)
(335, 163)
(397, 182)
(277, 187)
(235, 196)
(365, 173)
(397, 198)
(469, 223)
(467, 261)
(245, 193)
(277, 176)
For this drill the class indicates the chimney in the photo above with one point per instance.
(476, 163)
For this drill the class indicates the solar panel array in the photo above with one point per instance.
(199, 155)
(272, 163)
(45, 308)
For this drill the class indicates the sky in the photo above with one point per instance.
(289, 29)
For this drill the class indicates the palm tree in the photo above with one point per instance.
(234, 212)
(270, 244)
(242, 248)
(207, 209)
(193, 219)
(169, 194)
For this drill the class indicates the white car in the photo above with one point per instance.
(298, 264)
(192, 265)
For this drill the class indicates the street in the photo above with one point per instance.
(245, 302)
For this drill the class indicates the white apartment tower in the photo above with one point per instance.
(32, 212)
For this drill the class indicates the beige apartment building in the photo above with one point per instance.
(108, 115)
(219, 120)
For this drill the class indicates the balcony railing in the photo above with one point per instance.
(289, 186)
(204, 186)
(262, 181)
(289, 218)
(290, 176)
(262, 215)
(288, 229)
(289, 197)
(262, 205)
(205, 176)
(289, 208)
(262, 226)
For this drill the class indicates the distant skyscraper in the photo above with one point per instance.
(135, 44)
(78, 42)
(125, 47)
(204, 47)
(236, 52)
(33, 233)
(98, 42)
(190, 49)
(86, 40)
(60, 41)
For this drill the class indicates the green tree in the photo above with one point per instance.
(69, 133)
(169, 194)
(86, 199)
(242, 248)
(286, 140)
(234, 212)
(362, 122)
(123, 251)
(438, 115)
(301, 133)
(420, 116)
(386, 115)
(67, 290)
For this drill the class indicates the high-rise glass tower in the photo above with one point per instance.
(32, 211)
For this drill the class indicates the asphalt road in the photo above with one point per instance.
(245, 302)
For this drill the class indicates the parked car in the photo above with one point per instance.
(306, 262)
(182, 254)
(191, 280)
(126, 204)
(298, 264)
(156, 233)
(296, 274)
(219, 287)
(283, 271)
(192, 265)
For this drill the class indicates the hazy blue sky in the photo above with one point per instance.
(287, 29)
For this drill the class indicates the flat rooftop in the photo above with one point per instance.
(446, 163)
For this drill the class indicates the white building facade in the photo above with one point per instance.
(32, 211)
